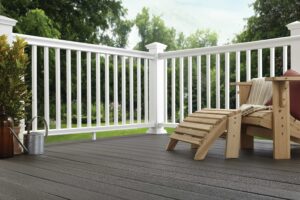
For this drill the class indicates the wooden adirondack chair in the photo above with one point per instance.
(276, 124)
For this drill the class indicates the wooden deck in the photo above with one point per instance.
(138, 167)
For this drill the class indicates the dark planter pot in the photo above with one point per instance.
(6, 141)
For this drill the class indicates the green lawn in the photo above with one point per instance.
(106, 134)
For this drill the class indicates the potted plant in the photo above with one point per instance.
(14, 95)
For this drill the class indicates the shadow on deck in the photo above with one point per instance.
(138, 167)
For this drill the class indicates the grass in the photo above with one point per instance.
(105, 134)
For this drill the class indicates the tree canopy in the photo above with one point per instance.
(270, 19)
(93, 21)
(153, 29)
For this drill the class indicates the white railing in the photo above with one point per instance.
(174, 83)
(113, 59)
(194, 60)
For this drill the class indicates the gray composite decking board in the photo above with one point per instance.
(10, 189)
(139, 168)
(92, 182)
(105, 153)
(277, 191)
(153, 179)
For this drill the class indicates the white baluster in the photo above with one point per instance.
(218, 96)
(237, 77)
(227, 80)
(173, 89)
(146, 90)
(78, 74)
(259, 57)
(116, 103)
(199, 82)
(166, 91)
(98, 88)
(208, 83)
(285, 58)
(88, 89)
(131, 90)
(34, 86)
(57, 88)
(272, 62)
(123, 90)
(181, 89)
(46, 85)
(69, 89)
(106, 90)
(248, 65)
(190, 85)
(139, 94)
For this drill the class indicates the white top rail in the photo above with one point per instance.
(277, 42)
(64, 44)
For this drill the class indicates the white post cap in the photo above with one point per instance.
(156, 47)
(6, 26)
(294, 27)
(7, 21)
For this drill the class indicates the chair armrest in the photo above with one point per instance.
(283, 78)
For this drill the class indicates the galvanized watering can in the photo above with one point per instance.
(34, 141)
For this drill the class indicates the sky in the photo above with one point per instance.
(226, 17)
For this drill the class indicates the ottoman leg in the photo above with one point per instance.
(233, 139)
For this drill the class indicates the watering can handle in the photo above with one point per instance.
(30, 125)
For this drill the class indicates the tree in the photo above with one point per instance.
(270, 19)
(154, 30)
(77, 20)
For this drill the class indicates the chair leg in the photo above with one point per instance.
(194, 146)
(172, 144)
(233, 138)
(247, 141)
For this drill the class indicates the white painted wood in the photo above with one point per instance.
(107, 90)
(190, 85)
(123, 90)
(92, 129)
(262, 44)
(146, 90)
(173, 90)
(88, 89)
(156, 90)
(272, 62)
(98, 92)
(166, 90)
(116, 102)
(46, 86)
(181, 89)
(208, 83)
(285, 59)
(57, 88)
(34, 86)
(131, 105)
(237, 77)
(199, 83)
(259, 62)
(139, 92)
(94, 136)
(218, 90)
(6, 27)
(78, 82)
(69, 89)
(294, 28)
(227, 80)
(84, 47)
(248, 65)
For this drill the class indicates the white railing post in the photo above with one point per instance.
(156, 89)
(295, 46)
(6, 27)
